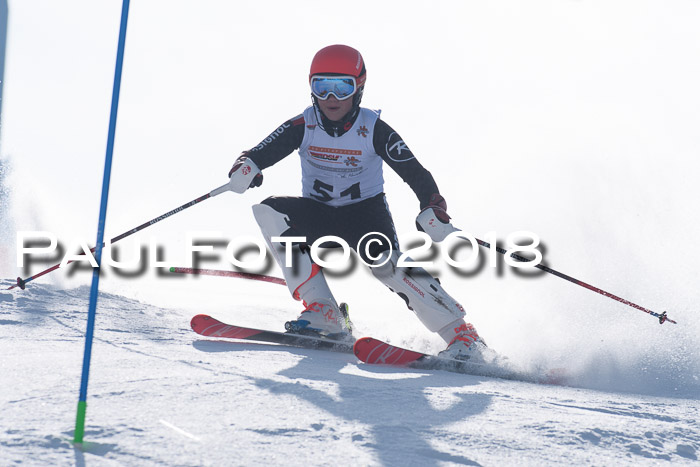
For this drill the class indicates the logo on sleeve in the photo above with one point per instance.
(397, 149)
(272, 136)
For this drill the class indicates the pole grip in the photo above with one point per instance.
(219, 190)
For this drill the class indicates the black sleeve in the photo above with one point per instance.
(279, 144)
(389, 145)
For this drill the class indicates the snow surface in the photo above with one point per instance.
(162, 395)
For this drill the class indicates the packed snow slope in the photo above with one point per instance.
(160, 394)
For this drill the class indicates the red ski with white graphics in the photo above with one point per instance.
(371, 350)
(212, 327)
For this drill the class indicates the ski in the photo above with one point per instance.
(211, 327)
(374, 351)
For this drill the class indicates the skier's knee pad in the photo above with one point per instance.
(272, 223)
(422, 293)
(304, 279)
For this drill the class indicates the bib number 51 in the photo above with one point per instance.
(325, 191)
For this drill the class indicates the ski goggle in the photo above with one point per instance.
(342, 87)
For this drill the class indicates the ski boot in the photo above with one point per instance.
(322, 319)
(466, 346)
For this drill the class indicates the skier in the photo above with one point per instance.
(342, 147)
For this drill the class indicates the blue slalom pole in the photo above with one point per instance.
(4, 14)
(82, 401)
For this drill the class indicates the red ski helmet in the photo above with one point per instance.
(339, 60)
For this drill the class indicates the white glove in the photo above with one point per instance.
(434, 220)
(244, 174)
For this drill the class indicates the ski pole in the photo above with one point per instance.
(661, 316)
(21, 283)
(217, 272)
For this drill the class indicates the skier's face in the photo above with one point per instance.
(333, 109)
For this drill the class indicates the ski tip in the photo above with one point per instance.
(198, 319)
(360, 345)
